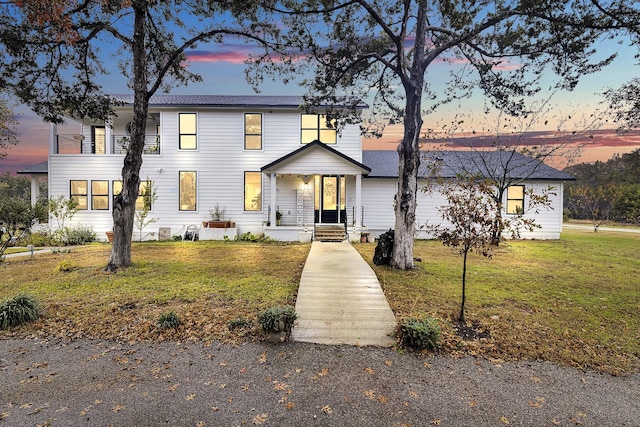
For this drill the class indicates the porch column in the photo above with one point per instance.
(108, 137)
(53, 137)
(35, 189)
(358, 201)
(272, 214)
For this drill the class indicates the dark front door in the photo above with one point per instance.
(331, 209)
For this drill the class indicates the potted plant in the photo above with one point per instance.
(278, 217)
(218, 217)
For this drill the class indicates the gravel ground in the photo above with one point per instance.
(101, 383)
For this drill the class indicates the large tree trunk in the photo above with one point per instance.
(125, 204)
(405, 201)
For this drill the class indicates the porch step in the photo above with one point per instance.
(330, 233)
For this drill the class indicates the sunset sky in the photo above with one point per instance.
(222, 69)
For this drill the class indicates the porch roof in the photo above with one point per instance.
(37, 169)
(305, 151)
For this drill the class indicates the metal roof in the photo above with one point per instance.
(42, 167)
(384, 164)
(231, 101)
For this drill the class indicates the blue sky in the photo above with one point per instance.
(222, 70)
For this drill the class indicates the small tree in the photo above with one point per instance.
(142, 218)
(62, 209)
(594, 203)
(470, 218)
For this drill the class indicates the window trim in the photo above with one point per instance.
(195, 205)
(512, 199)
(100, 195)
(181, 134)
(85, 194)
(318, 129)
(253, 134)
(261, 204)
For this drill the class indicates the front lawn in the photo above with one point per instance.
(575, 301)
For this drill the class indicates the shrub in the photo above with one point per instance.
(65, 266)
(18, 310)
(40, 238)
(79, 235)
(240, 323)
(278, 319)
(169, 320)
(420, 334)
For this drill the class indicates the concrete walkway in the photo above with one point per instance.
(340, 300)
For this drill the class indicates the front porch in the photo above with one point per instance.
(314, 185)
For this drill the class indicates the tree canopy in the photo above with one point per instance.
(57, 53)
(384, 51)
(8, 123)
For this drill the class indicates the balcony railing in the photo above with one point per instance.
(121, 144)
(78, 144)
(69, 144)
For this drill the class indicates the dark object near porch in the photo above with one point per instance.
(382, 254)
(191, 233)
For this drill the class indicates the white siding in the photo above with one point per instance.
(219, 160)
(378, 195)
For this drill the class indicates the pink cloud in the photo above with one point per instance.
(233, 57)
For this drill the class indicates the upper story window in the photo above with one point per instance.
(100, 195)
(79, 191)
(317, 126)
(515, 199)
(253, 131)
(188, 188)
(187, 126)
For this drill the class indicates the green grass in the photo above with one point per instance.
(574, 301)
(205, 283)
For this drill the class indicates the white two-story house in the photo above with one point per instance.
(272, 168)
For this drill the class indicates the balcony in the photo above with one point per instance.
(79, 144)
(121, 144)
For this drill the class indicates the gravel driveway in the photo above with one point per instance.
(101, 383)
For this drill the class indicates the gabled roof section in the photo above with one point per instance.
(221, 101)
(315, 145)
(384, 164)
(38, 168)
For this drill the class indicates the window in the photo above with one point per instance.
(515, 199)
(188, 190)
(253, 191)
(252, 131)
(100, 195)
(144, 193)
(187, 130)
(318, 127)
(78, 190)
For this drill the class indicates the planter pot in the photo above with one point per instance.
(109, 236)
(219, 224)
(205, 224)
